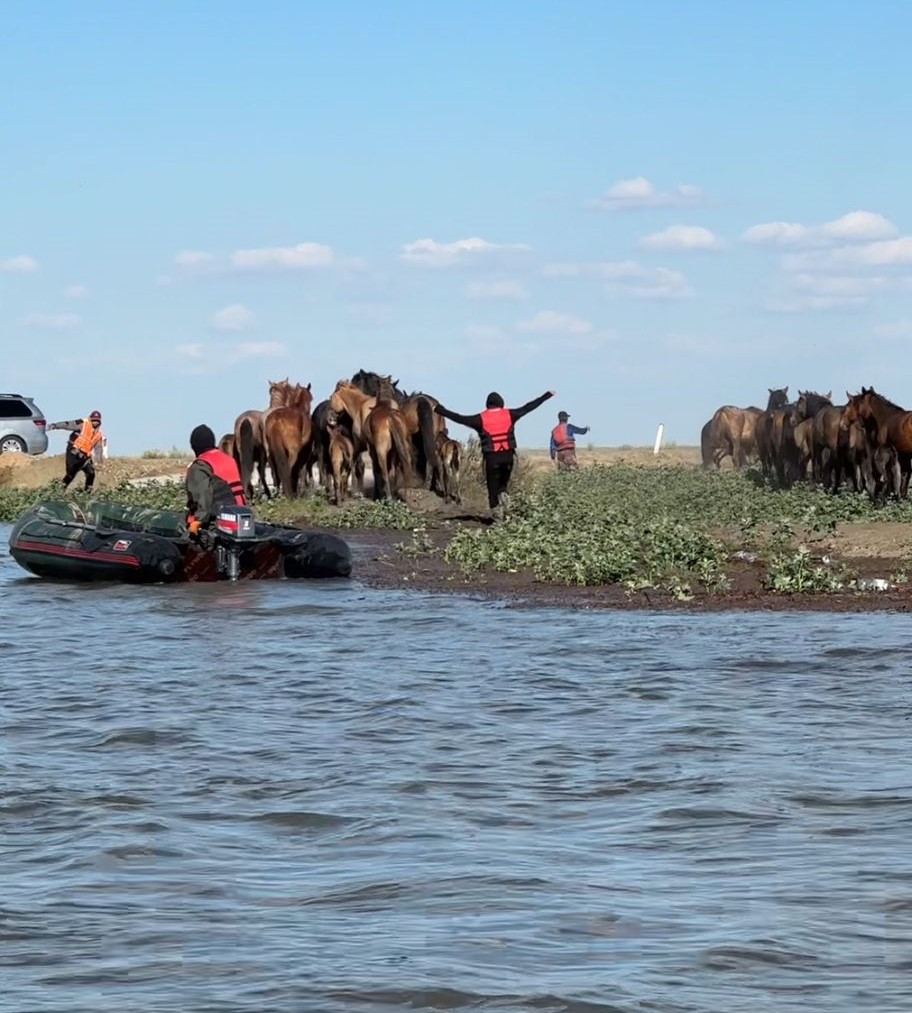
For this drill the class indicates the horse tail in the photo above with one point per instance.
(244, 452)
(282, 462)
(706, 444)
(428, 442)
(403, 448)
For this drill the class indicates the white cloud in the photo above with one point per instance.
(900, 330)
(193, 258)
(196, 351)
(854, 227)
(682, 237)
(503, 289)
(826, 292)
(635, 194)
(259, 349)
(53, 321)
(267, 259)
(628, 278)
(232, 318)
(19, 265)
(550, 322)
(76, 292)
(484, 332)
(430, 253)
(283, 258)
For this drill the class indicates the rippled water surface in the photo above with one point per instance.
(294, 797)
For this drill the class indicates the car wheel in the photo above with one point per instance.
(12, 445)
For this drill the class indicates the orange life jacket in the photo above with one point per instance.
(89, 437)
(225, 467)
(562, 438)
(498, 434)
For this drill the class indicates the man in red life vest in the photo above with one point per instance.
(563, 442)
(85, 436)
(212, 481)
(498, 442)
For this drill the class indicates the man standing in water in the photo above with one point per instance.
(498, 442)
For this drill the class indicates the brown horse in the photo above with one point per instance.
(250, 450)
(341, 456)
(226, 444)
(422, 423)
(888, 426)
(378, 426)
(448, 453)
(289, 433)
(733, 432)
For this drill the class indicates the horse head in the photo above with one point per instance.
(856, 410)
(778, 398)
(808, 404)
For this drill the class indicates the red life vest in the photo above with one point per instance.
(225, 468)
(498, 435)
(562, 438)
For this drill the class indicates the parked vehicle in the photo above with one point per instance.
(22, 426)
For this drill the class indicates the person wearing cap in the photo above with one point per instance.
(85, 436)
(498, 442)
(563, 442)
(212, 481)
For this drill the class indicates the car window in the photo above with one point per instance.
(12, 408)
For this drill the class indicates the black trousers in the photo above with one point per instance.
(76, 462)
(498, 468)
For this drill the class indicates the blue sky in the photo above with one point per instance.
(653, 209)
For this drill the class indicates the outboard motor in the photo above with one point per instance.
(234, 526)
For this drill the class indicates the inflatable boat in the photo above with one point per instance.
(107, 541)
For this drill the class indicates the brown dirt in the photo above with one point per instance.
(873, 549)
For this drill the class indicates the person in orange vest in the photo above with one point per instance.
(498, 442)
(212, 481)
(86, 436)
(563, 442)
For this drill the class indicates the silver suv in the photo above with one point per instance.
(21, 426)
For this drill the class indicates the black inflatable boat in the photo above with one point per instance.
(107, 541)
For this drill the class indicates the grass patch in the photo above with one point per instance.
(667, 527)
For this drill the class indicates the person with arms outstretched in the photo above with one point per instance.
(495, 431)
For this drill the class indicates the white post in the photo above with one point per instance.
(660, 432)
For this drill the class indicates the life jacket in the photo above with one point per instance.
(227, 490)
(497, 435)
(562, 438)
(89, 437)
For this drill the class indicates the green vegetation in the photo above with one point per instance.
(175, 453)
(665, 527)
(315, 511)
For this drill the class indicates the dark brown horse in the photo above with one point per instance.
(341, 456)
(379, 426)
(889, 427)
(733, 432)
(421, 421)
(288, 438)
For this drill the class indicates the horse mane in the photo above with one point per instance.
(882, 399)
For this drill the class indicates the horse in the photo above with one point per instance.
(289, 433)
(378, 426)
(226, 444)
(250, 450)
(448, 453)
(341, 456)
(733, 431)
(422, 422)
(889, 426)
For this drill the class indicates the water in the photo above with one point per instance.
(294, 797)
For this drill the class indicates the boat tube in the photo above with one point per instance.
(138, 545)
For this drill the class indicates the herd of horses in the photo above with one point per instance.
(406, 442)
(865, 443)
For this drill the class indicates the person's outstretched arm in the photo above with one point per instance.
(469, 421)
(73, 425)
(517, 413)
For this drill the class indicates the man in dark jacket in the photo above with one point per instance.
(498, 441)
(213, 481)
